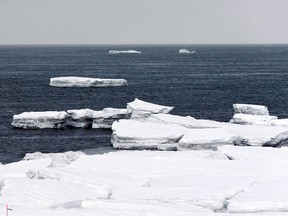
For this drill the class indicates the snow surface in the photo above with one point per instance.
(33, 120)
(185, 51)
(250, 109)
(124, 52)
(200, 183)
(280, 122)
(85, 82)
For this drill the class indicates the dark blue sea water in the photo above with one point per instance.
(203, 85)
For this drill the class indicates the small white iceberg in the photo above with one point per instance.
(85, 82)
(124, 52)
(186, 51)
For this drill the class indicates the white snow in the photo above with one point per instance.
(248, 119)
(280, 122)
(124, 52)
(34, 120)
(85, 82)
(185, 51)
(143, 106)
(250, 109)
(200, 183)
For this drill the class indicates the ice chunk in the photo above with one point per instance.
(106, 117)
(205, 138)
(134, 134)
(185, 51)
(250, 109)
(142, 106)
(278, 141)
(85, 82)
(34, 120)
(82, 118)
(124, 52)
(248, 119)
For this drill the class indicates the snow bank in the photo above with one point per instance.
(143, 107)
(82, 118)
(185, 51)
(248, 119)
(124, 52)
(34, 120)
(85, 82)
(106, 117)
(280, 122)
(251, 109)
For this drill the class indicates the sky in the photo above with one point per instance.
(143, 21)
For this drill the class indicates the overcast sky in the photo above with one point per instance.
(143, 22)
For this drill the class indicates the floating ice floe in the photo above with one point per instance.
(85, 82)
(105, 118)
(33, 120)
(185, 51)
(124, 52)
(82, 118)
(251, 109)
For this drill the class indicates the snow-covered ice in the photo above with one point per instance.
(238, 180)
(85, 82)
(248, 119)
(35, 120)
(250, 109)
(146, 107)
(124, 52)
(106, 117)
(185, 51)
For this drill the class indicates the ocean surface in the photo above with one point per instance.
(204, 85)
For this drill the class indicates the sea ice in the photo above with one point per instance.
(82, 118)
(124, 52)
(146, 107)
(85, 82)
(250, 109)
(34, 120)
(185, 51)
(106, 117)
(249, 119)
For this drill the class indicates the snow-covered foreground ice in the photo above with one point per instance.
(85, 82)
(124, 52)
(200, 183)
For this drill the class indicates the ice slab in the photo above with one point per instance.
(248, 119)
(35, 120)
(143, 106)
(106, 117)
(250, 109)
(124, 52)
(81, 118)
(85, 82)
(185, 51)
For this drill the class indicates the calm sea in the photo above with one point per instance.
(204, 85)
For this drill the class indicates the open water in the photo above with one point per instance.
(204, 85)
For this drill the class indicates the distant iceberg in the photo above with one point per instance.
(124, 51)
(85, 82)
(186, 51)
